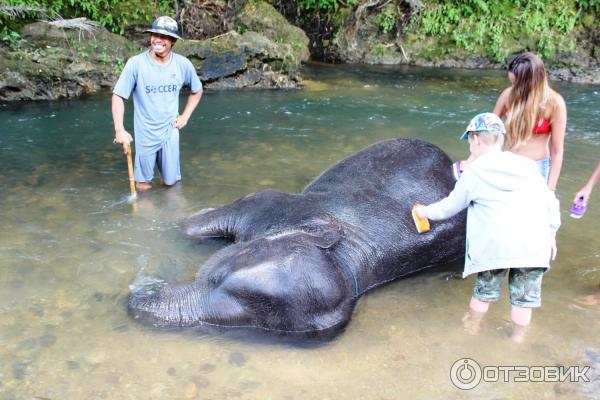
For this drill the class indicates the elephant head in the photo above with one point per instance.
(248, 284)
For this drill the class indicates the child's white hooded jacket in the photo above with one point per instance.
(512, 216)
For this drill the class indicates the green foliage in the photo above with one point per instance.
(307, 11)
(119, 65)
(386, 20)
(318, 5)
(546, 26)
(379, 50)
(10, 38)
(112, 14)
(589, 5)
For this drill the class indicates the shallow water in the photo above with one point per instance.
(71, 244)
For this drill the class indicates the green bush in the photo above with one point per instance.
(113, 14)
(477, 26)
(386, 20)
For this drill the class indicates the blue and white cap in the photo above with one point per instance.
(485, 122)
(165, 26)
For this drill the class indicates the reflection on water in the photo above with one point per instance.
(71, 244)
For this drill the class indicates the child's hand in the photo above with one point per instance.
(420, 210)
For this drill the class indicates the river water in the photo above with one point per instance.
(71, 244)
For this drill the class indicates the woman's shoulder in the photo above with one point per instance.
(556, 97)
(506, 92)
(502, 102)
(556, 101)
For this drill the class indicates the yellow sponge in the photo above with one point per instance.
(422, 224)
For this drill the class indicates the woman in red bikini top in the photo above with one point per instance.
(535, 115)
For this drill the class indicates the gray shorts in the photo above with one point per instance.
(166, 158)
(524, 286)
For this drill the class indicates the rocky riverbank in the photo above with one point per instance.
(51, 62)
(365, 36)
(251, 45)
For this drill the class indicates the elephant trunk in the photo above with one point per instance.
(156, 304)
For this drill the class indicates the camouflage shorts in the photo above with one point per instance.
(524, 286)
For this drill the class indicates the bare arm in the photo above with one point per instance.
(457, 200)
(586, 190)
(557, 140)
(500, 107)
(118, 112)
(190, 106)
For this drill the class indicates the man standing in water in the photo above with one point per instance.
(155, 77)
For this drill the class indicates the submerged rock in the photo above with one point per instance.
(237, 359)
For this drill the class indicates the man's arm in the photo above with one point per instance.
(118, 112)
(190, 106)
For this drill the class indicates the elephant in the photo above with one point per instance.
(299, 262)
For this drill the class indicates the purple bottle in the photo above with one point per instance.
(578, 208)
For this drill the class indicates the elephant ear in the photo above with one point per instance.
(323, 230)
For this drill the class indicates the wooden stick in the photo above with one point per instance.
(131, 178)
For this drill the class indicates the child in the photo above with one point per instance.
(512, 220)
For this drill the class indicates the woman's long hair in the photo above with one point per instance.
(528, 98)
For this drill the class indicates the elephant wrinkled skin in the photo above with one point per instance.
(299, 262)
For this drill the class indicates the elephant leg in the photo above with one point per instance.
(242, 220)
(210, 223)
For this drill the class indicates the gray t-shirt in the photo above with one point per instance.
(155, 90)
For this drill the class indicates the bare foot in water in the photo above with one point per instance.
(472, 322)
(587, 301)
(143, 186)
(518, 333)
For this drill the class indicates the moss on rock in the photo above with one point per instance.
(259, 16)
(54, 63)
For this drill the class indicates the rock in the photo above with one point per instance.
(360, 41)
(234, 61)
(237, 359)
(73, 365)
(206, 368)
(19, 369)
(47, 340)
(222, 65)
(200, 382)
(248, 78)
(260, 16)
(53, 63)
